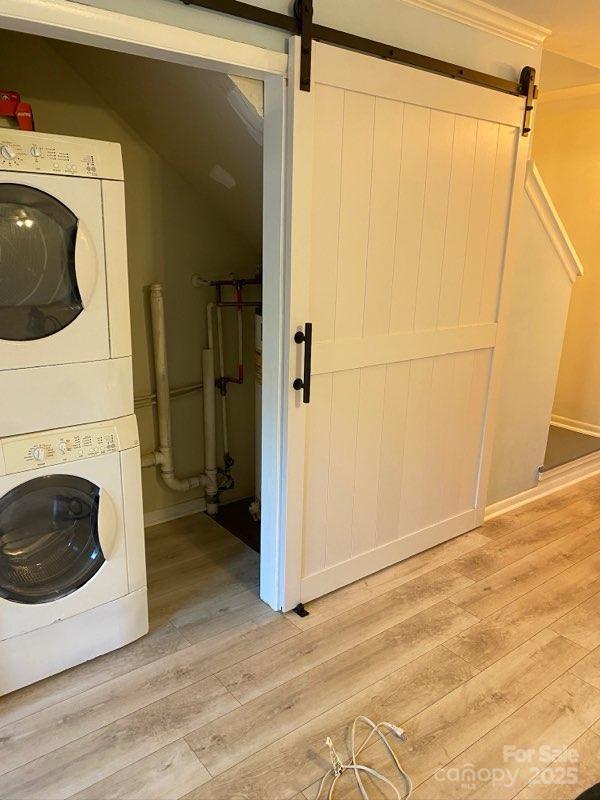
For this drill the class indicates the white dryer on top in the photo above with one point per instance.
(65, 341)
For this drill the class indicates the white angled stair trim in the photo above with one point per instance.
(550, 219)
(487, 18)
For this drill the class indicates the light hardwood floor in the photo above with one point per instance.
(485, 649)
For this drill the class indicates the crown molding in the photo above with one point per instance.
(487, 18)
(550, 219)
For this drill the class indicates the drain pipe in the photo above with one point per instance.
(163, 458)
(210, 417)
(210, 438)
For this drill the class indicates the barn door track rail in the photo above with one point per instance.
(301, 24)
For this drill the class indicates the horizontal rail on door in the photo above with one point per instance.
(301, 24)
(371, 351)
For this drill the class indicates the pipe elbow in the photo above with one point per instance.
(173, 483)
(181, 484)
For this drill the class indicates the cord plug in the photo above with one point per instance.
(338, 767)
(399, 732)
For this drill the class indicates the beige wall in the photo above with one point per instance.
(567, 151)
(172, 233)
(538, 301)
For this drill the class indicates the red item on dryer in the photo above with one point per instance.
(15, 111)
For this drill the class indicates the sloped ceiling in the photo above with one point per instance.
(206, 125)
(559, 72)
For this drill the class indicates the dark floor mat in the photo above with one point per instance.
(236, 518)
(565, 446)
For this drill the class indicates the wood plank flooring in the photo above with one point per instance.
(486, 650)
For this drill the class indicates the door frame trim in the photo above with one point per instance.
(110, 30)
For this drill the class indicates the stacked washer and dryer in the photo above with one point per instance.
(72, 565)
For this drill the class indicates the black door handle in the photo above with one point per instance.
(304, 383)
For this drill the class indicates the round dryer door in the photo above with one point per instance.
(39, 294)
(49, 540)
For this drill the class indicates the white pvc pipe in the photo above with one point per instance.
(210, 437)
(149, 460)
(164, 458)
(209, 324)
(148, 400)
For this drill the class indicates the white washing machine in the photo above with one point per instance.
(72, 565)
(65, 340)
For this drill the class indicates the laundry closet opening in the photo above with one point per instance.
(192, 147)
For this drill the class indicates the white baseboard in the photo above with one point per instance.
(575, 425)
(174, 512)
(549, 482)
(579, 469)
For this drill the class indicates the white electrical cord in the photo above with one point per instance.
(339, 768)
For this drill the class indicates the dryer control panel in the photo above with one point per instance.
(53, 448)
(25, 151)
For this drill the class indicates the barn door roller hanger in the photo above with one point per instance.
(302, 24)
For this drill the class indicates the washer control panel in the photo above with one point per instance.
(60, 447)
(22, 151)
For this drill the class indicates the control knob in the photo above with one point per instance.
(39, 453)
(7, 153)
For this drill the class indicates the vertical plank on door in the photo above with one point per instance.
(392, 450)
(479, 220)
(387, 153)
(472, 440)
(437, 460)
(414, 468)
(435, 210)
(453, 452)
(457, 223)
(316, 478)
(344, 423)
(411, 196)
(368, 451)
(357, 157)
(496, 243)
(327, 169)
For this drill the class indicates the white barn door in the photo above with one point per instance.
(402, 186)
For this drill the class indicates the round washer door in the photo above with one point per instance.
(39, 295)
(49, 538)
